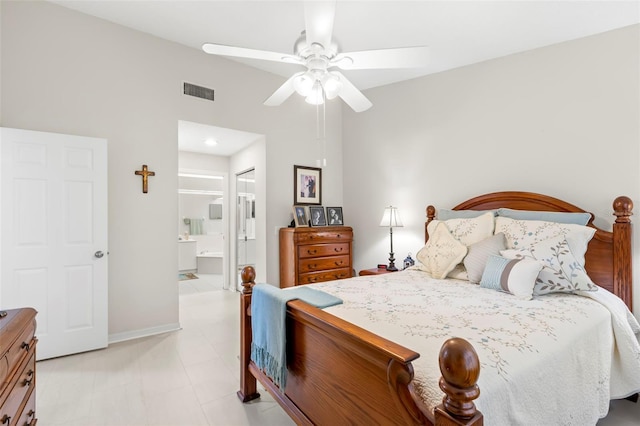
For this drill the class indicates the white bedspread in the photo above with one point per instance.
(554, 360)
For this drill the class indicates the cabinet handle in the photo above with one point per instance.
(29, 379)
(25, 346)
(312, 251)
(339, 263)
(6, 420)
(314, 266)
(337, 249)
(31, 413)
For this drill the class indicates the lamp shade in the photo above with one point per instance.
(391, 218)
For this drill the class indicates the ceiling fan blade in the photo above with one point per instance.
(351, 95)
(318, 19)
(402, 57)
(283, 92)
(242, 52)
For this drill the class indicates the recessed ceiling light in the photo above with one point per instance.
(211, 142)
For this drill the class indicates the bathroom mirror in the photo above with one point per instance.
(215, 211)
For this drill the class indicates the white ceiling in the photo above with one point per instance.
(193, 137)
(458, 33)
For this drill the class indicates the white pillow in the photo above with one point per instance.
(515, 276)
(467, 230)
(561, 273)
(441, 253)
(522, 234)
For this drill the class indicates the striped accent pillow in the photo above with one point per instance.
(476, 259)
(515, 276)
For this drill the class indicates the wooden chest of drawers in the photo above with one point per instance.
(313, 255)
(18, 368)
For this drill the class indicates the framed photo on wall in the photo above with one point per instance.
(334, 216)
(317, 217)
(300, 216)
(307, 185)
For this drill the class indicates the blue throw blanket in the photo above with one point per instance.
(268, 313)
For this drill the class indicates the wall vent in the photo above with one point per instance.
(198, 91)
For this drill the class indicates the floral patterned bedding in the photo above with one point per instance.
(545, 361)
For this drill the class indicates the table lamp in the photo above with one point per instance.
(391, 219)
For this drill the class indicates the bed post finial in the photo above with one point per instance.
(248, 275)
(622, 209)
(248, 385)
(460, 368)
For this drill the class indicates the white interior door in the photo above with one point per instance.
(53, 244)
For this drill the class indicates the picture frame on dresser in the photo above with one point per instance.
(307, 185)
(334, 216)
(300, 216)
(317, 216)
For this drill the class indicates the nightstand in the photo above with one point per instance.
(374, 271)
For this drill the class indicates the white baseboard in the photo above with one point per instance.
(145, 332)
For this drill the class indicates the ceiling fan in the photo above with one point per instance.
(316, 51)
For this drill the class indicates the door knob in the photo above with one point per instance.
(98, 254)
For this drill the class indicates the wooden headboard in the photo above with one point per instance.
(608, 258)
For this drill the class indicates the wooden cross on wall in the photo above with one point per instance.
(145, 173)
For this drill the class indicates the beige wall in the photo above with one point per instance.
(66, 72)
(562, 120)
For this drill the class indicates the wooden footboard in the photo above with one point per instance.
(341, 373)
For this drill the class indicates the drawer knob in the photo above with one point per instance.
(6, 420)
(29, 379)
(25, 346)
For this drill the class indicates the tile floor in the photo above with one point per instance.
(189, 377)
(184, 378)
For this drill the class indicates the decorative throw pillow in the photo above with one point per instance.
(467, 230)
(522, 234)
(515, 276)
(442, 252)
(476, 258)
(562, 273)
(446, 214)
(559, 217)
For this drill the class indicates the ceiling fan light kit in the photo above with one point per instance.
(315, 50)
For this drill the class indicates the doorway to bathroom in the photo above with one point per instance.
(212, 162)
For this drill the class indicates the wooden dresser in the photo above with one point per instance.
(313, 255)
(18, 368)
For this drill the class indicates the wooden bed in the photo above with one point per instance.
(340, 373)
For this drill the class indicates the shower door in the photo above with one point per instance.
(245, 222)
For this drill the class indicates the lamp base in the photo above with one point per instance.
(392, 265)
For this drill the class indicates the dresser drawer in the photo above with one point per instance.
(322, 236)
(321, 250)
(22, 345)
(18, 388)
(28, 417)
(315, 264)
(4, 369)
(318, 277)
